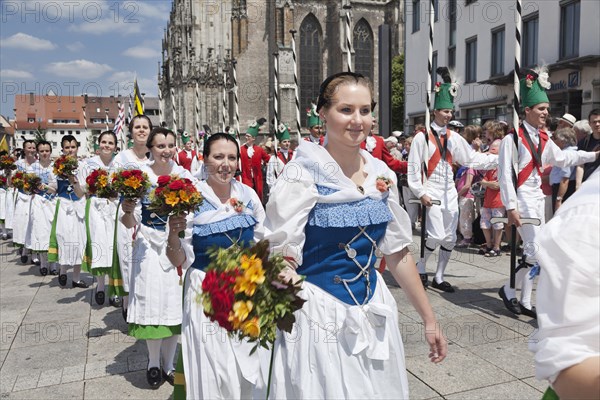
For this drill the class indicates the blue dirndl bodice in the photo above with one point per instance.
(341, 246)
(238, 229)
(65, 190)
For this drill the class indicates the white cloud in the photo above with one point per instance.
(14, 74)
(156, 10)
(75, 47)
(24, 41)
(125, 80)
(78, 69)
(142, 52)
(105, 26)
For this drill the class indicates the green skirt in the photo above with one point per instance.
(153, 331)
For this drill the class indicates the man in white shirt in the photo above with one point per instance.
(282, 156)
(535, 152)
(439, 149)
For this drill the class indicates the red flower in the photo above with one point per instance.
(222, 318)
(222, 301)
(126, 174)
(176, 185)
(163, 180)
(158, 190)
(210, 281)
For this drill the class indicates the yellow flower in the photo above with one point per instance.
(251, 262)
(251, 328)
(61, 167)
(132, 182)
(185, 197)
(171, 198)
(243, 284)
(241, 310)
(255, 273)
(102, 181)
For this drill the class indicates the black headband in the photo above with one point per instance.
(321, 100)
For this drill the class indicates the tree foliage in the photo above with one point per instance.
(398, 92)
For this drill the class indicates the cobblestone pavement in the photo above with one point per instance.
(57, 343)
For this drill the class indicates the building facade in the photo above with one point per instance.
(204, 39)
(52, 117)
(477, 39)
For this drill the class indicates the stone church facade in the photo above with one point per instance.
(205, 38)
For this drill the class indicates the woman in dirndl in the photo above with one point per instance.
(100, 214)
(23, 201)
(216, 366)
(154, 312)
(332, 213)
(43, 206)
(133, 158)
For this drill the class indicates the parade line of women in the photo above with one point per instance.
(330, 227)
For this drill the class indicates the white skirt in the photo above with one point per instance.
(10, 208)
(41, 216)
(155, 293)
(102, 231)
(124, 250)
(2, 203)
(338, 351)
(70, 231)
(21, 218)
(216, 366)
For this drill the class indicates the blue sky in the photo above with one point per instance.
(76, 46)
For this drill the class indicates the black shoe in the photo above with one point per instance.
(526, 311)
(124, 314)
(80, 284)
(62, 279)
(511, 305)
(169, 377)
(36, 261)
(444, 286)
(424, 280)
(100, 298)
(24, 259)
(43, 271)
(116, 301)
(54, 272)
(154, 377)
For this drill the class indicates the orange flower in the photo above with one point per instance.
(133, 182)
(184, 196)
(171, 198)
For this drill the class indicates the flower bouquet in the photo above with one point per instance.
(99, 184)
(18, 180)
(3, 182)
(131, 184)
(244, 293)
(65, 166)
(32, 183)
(237, 205)
(174, 196)
(7, 163)
(383, 184)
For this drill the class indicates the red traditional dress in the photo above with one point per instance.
(185, 158)
(252, 159)
(375, 145)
